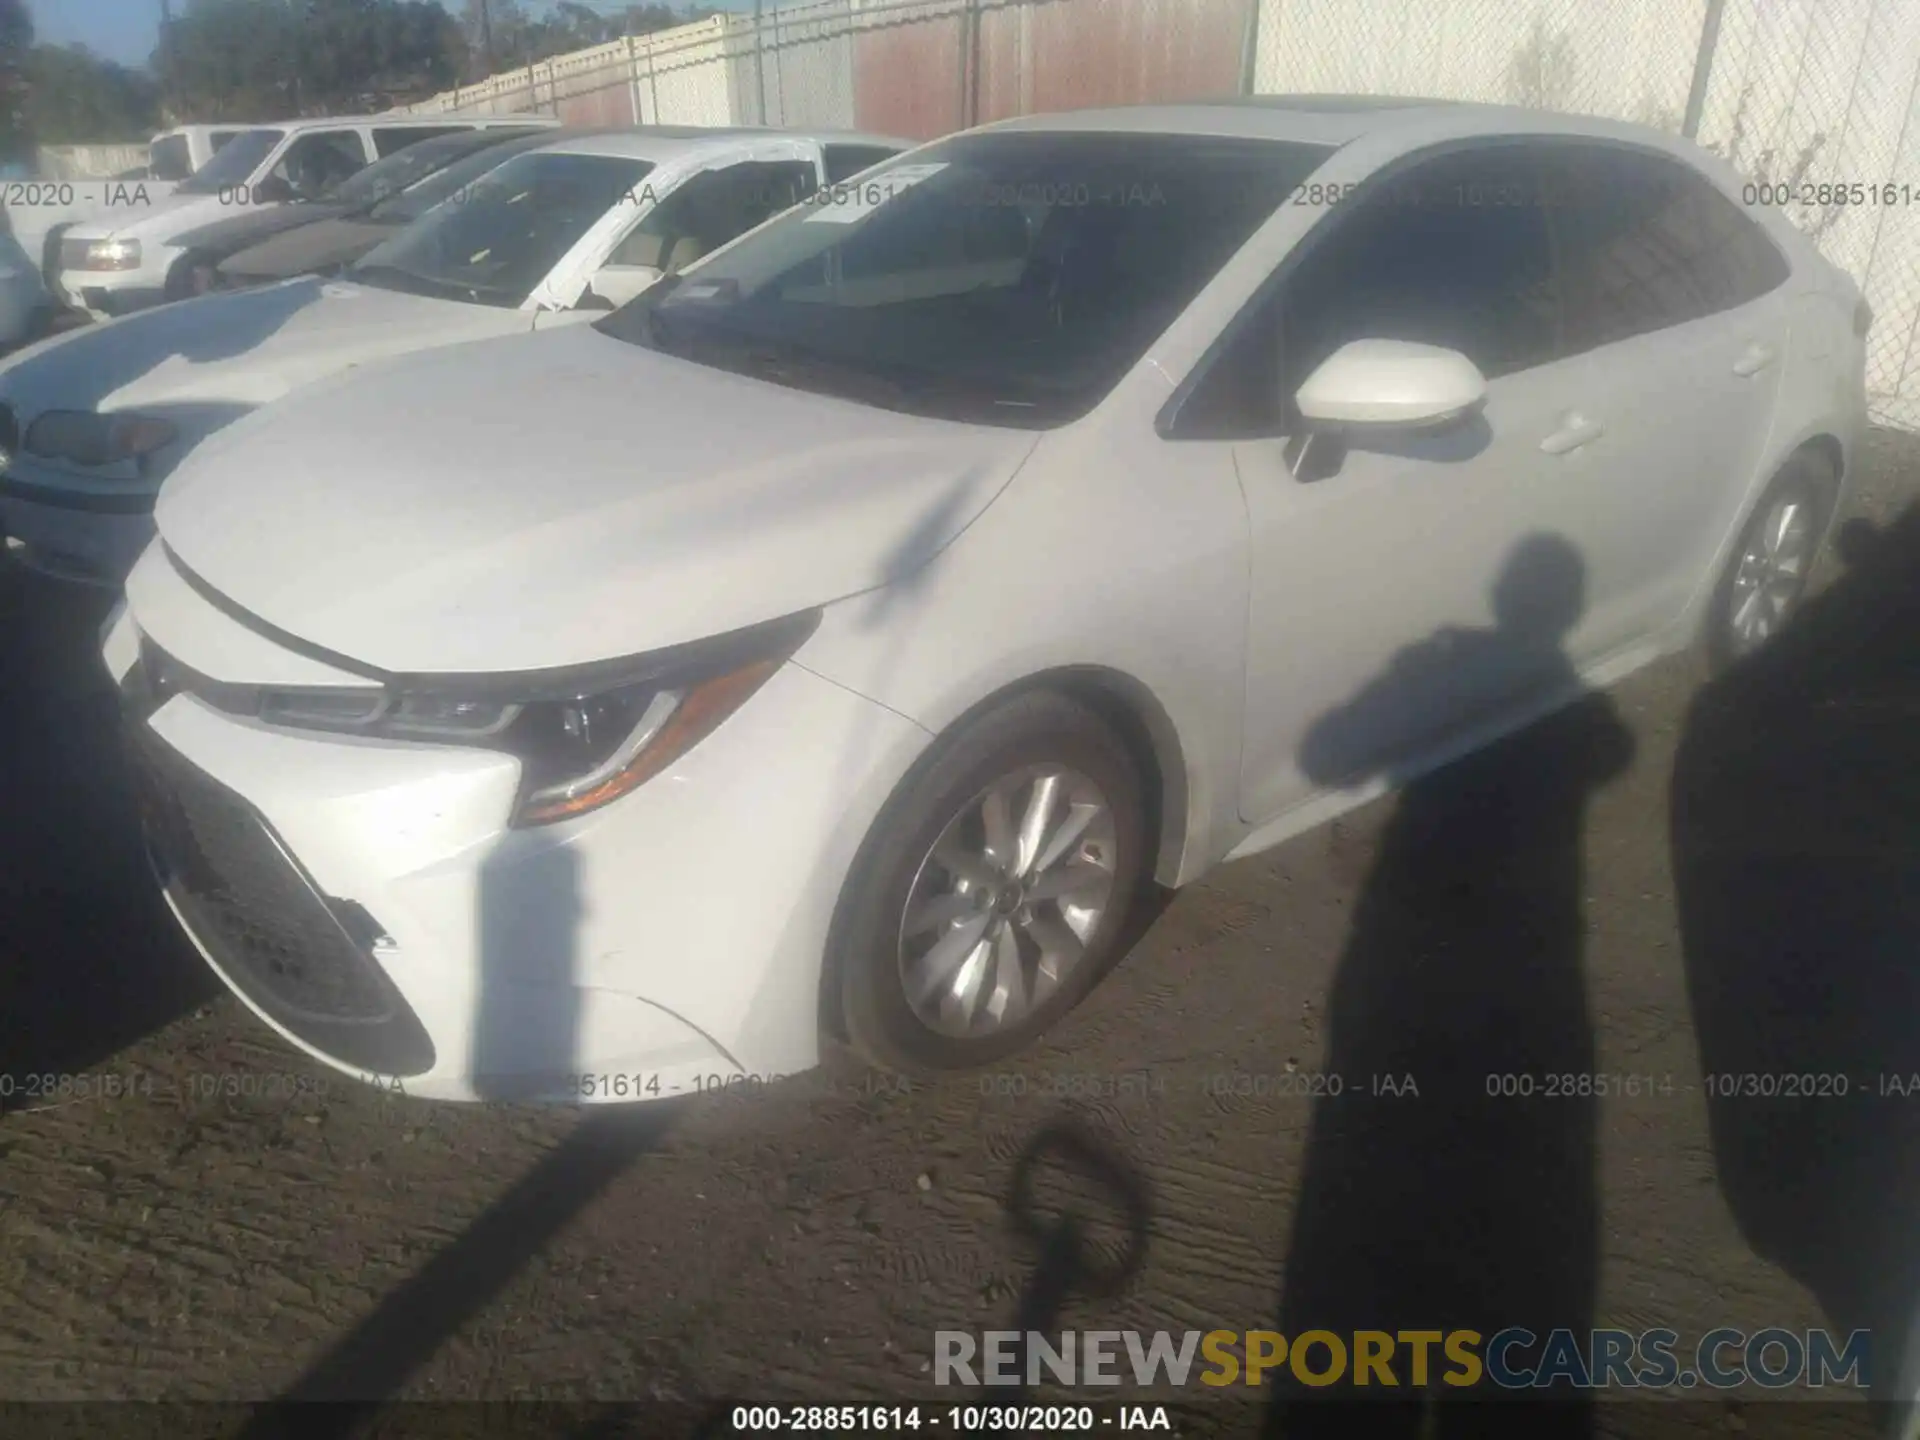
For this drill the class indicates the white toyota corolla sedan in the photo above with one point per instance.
(837, 637)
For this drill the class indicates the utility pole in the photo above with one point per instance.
(486, 35)
(759, 58)
(1702, 69)
(166, 55)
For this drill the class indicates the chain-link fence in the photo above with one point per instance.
(1818, 101)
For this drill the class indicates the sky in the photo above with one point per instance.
(125, 30)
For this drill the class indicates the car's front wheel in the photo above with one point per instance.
(994, 889)
(191, 275)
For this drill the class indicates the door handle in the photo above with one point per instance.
(1755, 358)
(1576, 430)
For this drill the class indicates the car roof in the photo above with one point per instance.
(1336, 120)
(663, 143)
(387, 121)
(202, 127)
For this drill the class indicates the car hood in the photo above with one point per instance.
(319, 246)
(257, 223)
(202, 363)
(563, 498)
(163, 214)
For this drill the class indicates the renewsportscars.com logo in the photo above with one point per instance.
(1510, 1359)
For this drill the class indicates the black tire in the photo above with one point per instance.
(50, 253)
(1808, 477)
(190, 276)
(1038, 727)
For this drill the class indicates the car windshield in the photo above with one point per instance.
(423, 194)
(494, 241)
(1008, 278)
(390, 175)
(168, 158)
(233, 164)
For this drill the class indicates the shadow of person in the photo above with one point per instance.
(90, 960)
(525, 1045)
(1795, 829)
(1072, 1256)
(1429, 1200)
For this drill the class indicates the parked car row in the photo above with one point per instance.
(37, 210)
(114, 263)
(835, 635)
(109, 246)
(567, 224)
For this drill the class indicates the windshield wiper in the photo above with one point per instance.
(788, 364)
(408, 282)
(798, 367)
(911, 390)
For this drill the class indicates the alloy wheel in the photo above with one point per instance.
(1005, 905)
(1770, 574)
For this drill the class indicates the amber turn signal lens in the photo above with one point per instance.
(697, 716)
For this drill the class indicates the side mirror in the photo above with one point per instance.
(1395, 384)
(272, 191)
(615, 285)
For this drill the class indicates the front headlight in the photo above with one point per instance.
(583, 739)
(85, 437)
(107, 255)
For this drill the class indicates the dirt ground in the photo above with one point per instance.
(1684, 883)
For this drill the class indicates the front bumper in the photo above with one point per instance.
(367, 900)
(83, 531)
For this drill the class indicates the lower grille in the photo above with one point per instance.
(300, 957)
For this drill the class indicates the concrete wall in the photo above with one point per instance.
(88, 162)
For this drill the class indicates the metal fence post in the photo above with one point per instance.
(1702, 69)
(759, 60)
(633, 81)
(1250, 49)
(969, 48)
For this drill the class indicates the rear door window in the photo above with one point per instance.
(1645, 244)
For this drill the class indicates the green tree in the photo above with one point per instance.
(76, 98)
(519, 39)
(278, 59)
(16, 36)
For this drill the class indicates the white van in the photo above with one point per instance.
(39, 211)
(175, 154)
(126, 258)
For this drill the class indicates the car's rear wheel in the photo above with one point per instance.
(1767, 577)
(994, 890)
